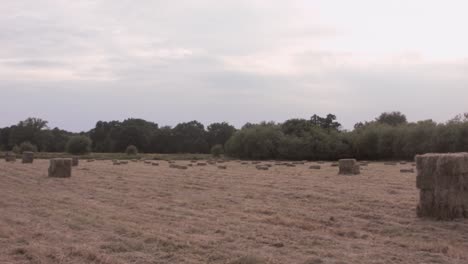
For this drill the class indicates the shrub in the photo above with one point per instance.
(27, 146)
(217, 150)
(131, 150)
(78, 145)
(16, 150)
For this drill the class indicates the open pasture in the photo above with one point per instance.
(139, 213)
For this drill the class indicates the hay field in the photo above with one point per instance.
(138, 213)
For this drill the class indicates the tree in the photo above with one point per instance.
(327, 122)
(392, 118)
(219, 133)
(79, 145)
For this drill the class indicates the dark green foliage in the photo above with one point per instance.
(79, 145)
(217, 150)
(392, 118)
(389, 136)
(27, 146)
(131, 150)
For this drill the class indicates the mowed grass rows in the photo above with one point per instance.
(139, 213)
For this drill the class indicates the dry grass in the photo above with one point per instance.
(135, 213)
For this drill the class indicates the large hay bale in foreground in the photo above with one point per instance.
(28, 157)
(75, 161)
(10, 157)
(60, 168)
(348, 167)
(442, 180)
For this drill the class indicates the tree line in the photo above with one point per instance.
(389, 136)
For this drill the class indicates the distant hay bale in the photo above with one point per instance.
(201, 164)
(155, 164)
(180, 167)
(75, 161)
(390, 163)
(222, 167)
(134, 160)
(334, 164)
(407, 170)
(170, 161)
(315, 167)
(244, 163)
(10, 157)
(402, 162)
(193, 161)
(28, 157)
(90, 160)
(413, 164)
(290, 165)
(348, 167)
(124, 162)
(364, 164)
(442, 180)
(298, 162)
(261, 167)
(256, 162)
(147, 162)
(60, 168)
(320, 162)
(116, 162)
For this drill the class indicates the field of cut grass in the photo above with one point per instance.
(139, 213)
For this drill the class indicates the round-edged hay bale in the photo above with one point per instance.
(10, 157)
(147, 162)
(390, 163)
(222, 167)
(28, 157)
(155, 164)
(60, 168)
(90, 160)
(407, 170)
(290, 165)
(75, 161)
(261, 167)
(315, 167)
(124, 162)
(334, 164)
(201, 164)
(348, 167)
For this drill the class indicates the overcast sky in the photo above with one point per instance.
(76, 62)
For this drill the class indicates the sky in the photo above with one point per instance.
(76, 62)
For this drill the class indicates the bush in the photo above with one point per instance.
(217, 151)
(131, 150)
(78, 145)
(16, 150)
(27, 146)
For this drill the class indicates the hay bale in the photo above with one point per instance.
(261, 167)
(442, 180)
(334, 164)
(28, 157)
(124, 162)
(290, 165)
(348, 167)
(320, 162)
(10, 157)
(222, 167)
(390, 163)
(147, 162)
(155, 164)
(90, 160)
(244, 163)
(403, 162)
(407, 170)
(201, 164)
(256, 162)
(315, 167)
(75, 161)
(60, 168)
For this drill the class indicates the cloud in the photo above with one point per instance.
(74, 63)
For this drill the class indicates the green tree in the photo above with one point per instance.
(79, 145)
